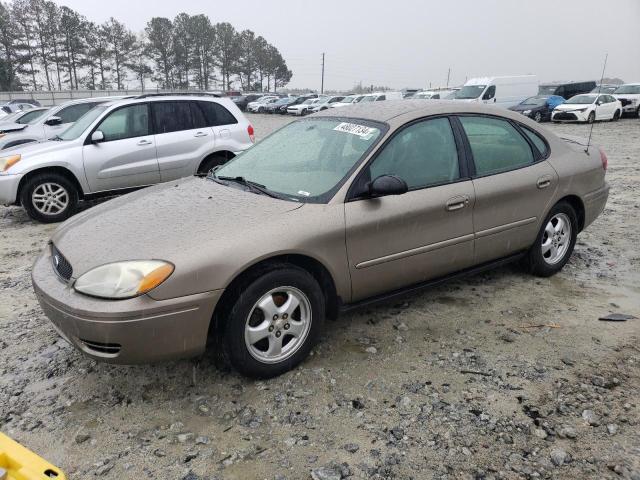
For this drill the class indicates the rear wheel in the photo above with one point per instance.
(210, 163)
(274, 322)
(49, 197)
(592, 117)
(555, 241)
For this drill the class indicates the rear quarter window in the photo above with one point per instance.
(216, 114)
(537, 140)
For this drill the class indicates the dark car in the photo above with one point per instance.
(277, 105)
(566, 90)
(538, 108)
(243, 100)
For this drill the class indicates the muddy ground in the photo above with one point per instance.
(500, 375)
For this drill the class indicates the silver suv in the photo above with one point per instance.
(120, 146)
(57, 120)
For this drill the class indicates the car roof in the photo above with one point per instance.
(409, 109)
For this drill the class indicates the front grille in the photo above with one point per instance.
(565, 116)
(60, 264)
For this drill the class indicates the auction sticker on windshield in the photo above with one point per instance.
(355, 129)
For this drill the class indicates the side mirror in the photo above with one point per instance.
(387, 185)
(53, 121)
(97, 137)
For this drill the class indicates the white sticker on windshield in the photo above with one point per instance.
(355, 129)
(302, 192)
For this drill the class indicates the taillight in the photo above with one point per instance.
(251, 133)
(604, 159)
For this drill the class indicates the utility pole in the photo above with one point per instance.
(448, 76)
(322, 84)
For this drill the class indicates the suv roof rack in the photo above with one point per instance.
(179, 94)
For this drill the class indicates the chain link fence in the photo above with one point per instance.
(55, 97)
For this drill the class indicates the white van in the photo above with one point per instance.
(500, 91)
(380, 96)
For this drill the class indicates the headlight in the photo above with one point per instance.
(526, 112)
(580, 110)
(7, 162)
(123, 279)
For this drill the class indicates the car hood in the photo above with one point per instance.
(41, 147)
(567, 107)
(186, 222)
(11, 126)
(522, 108)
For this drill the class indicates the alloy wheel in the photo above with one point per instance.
(278, 325)
(50, 198)
(556, 238)
(538, 117)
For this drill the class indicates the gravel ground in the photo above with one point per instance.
(500, 375)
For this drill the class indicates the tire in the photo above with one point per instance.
(255, 360)
(53, 189)
(546, 264)
(638, 112)
(537, 117)
(209, 163)
(592, 117)
(260, 110)
(616, 116)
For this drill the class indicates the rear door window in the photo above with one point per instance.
(172, 116)
(216, 115)
(496, 145)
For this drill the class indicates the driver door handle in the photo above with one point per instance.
(200, 134)
(457, 203)
(144, 142)
(543, 182)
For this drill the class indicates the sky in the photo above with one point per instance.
(413, 43)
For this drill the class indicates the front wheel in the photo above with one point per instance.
(616, 116)
(555, 241)
(49, 197)
(538, 117)
(274, 322)
(592, 117)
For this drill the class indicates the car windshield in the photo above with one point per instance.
(582, 99)
(604, 90)
(631, 89)
(470, 91)
(537, 101)
(347, 100)
(368, 98)
(30, 117)
(306, 159)
(75, 130)
(547, 89)
(34, 120)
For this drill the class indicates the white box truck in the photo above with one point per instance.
(499, 91)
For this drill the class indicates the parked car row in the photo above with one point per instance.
(88, 148)
(17, 105)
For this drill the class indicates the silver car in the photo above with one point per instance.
(119, 146)
(57, 120)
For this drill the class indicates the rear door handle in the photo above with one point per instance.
(456, 203)
(144, 142)
(543, 182)
(200, 134)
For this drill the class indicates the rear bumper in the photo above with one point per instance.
(136, 330)
(9, 188)
(594, 203)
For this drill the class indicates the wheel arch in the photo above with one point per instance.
(50, 169)
(313, 266)
(578, 205)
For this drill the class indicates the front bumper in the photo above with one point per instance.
(570, 116)
(136, 330)
(9, 188)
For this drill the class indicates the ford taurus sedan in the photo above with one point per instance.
(328, 213)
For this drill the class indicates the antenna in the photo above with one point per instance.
(599, 90)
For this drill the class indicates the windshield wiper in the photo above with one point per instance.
(253, 186)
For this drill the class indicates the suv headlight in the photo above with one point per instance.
(117, 281)
(526, 112)
(7, 162)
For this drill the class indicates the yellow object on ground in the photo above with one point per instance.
(18, 463)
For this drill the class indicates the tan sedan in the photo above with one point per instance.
(328, 213)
